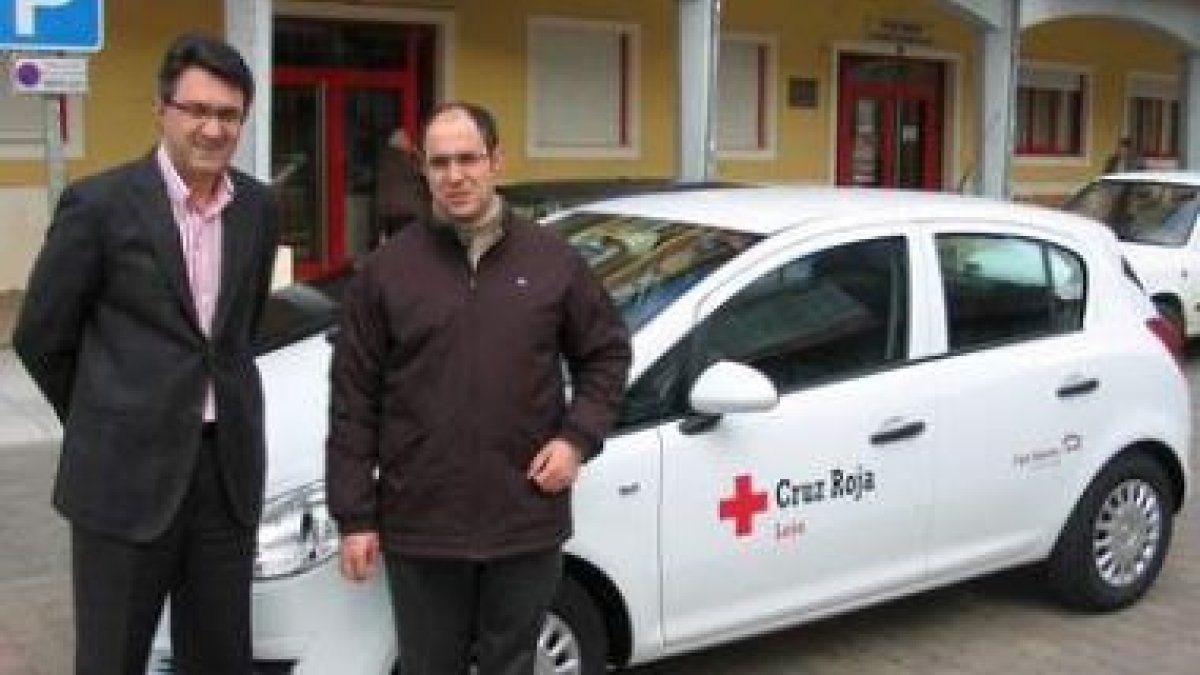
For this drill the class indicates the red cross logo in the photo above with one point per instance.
(742, 506)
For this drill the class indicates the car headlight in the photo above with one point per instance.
(296, 533)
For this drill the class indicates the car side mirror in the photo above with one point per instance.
(727, 387)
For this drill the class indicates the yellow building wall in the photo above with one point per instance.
(490, 67)
(118, 110)
(490, 64)
(1109, 50)
(490, 47)
(809, 37)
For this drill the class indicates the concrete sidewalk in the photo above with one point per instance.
(25, 417)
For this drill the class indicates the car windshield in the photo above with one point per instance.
(646, 263)
(298, 311)
(1141, 212)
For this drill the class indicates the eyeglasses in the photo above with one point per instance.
(226, 115)
(466, 160)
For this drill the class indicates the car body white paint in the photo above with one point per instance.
(987, 484)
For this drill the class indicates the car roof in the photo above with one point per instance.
(777, 208)
(1178, 177)
(566, 189)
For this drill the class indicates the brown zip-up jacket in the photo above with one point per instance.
(446, 382)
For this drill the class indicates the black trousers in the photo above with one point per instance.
(448, 610)
(203, 562)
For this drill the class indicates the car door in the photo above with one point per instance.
(1189, 258)
(1019, 387)
(822, 500)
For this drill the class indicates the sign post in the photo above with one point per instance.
(58, 26)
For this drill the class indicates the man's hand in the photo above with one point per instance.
(555, 466)
(360, 551)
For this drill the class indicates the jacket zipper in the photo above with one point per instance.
(473, 367)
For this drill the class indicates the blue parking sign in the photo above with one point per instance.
(51, 25)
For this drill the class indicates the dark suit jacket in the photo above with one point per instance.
(109, 332)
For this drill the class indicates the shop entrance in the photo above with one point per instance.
(890, 122)
(339, 90)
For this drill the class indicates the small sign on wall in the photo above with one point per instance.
(901, 32)
(802, 92)
(64, 75)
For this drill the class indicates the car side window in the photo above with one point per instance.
(656, 396)
(827, 315)
(1004, 288)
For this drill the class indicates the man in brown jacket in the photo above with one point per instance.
(452, 444)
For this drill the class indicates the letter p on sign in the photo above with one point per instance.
(25, 10)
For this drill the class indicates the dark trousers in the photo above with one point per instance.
(448, 610)
(203, 561)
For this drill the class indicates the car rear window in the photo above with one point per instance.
(1000, 289)
(1141, 212)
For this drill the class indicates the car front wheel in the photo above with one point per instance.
(574, 640)
(1114, 543)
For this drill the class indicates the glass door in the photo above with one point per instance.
(370, 116)
(328, 125)
(889, 123)
(914, 143)
(298, 172)
(340, 88)
(867, 160)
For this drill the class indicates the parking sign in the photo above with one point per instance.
(51, 25)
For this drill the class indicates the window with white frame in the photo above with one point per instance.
(581, 88)
(1154, 116)
(745, 94)
(1051, 111)
(22, 131)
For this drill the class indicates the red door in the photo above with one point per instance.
(889, 123)
(328, 125)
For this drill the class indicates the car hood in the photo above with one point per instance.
(296, 393)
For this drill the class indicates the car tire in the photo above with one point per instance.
(1170, 311)
(574, 639)
(1114, 543)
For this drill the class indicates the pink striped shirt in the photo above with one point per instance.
(199, 224)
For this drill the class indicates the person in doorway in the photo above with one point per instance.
(452, 444)
(1124, 158)
(138, 327)
(401, 193)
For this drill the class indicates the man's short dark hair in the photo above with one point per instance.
(193, 50)
(483, 119)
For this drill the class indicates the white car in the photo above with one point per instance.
(1153, 214)
(837, 398)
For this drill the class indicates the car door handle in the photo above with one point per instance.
(898, 433)
(698, 423)
(1079, 387)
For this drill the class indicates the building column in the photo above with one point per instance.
(248, 28)
(1189, 145)
(998, 70)
(699, 37)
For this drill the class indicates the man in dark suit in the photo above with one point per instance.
(137, 325)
